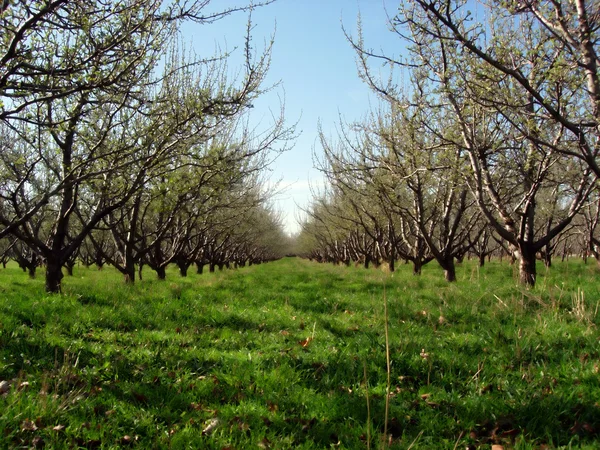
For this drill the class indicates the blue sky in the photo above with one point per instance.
(316, 68)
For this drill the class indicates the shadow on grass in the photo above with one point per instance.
(547, 420)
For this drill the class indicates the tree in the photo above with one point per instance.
(547, 49)
(589, 228)
(495, 89)
(325, 232)
(402, 167)
(86, 118)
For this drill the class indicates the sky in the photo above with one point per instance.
(314, 67)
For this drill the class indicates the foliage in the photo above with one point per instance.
(103, 114)
(497, 101)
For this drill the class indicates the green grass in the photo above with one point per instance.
(276, 355)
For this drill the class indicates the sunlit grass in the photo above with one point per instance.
(275, 356)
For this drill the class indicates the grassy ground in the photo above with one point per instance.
(293, 355)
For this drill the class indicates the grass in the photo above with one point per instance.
(293, 355)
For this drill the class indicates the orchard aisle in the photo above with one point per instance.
(292, 354)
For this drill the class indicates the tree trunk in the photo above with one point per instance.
(129, 271)
(547, 259)
(31, 270)
(564, 251)
(161, 272)
(128, 259)
(56, 255)
(417, 266)
(527, 270)
(449, 270)
(129, 274)
(392, 265)
(481, 260)
(450, 274)
(199, 268)
(183, 268)
(99, 260)
(54, 276)
(211, 268)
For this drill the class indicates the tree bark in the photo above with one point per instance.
(128, 253)
(54, 276)
(417, 266)
(129, 272)
(547, 259)
(183, 268)
(449, 269)
(527, 269)
(161, 272)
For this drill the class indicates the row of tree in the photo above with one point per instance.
(234, 238)
(487, 135)
(117, 145)
(346, 226)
